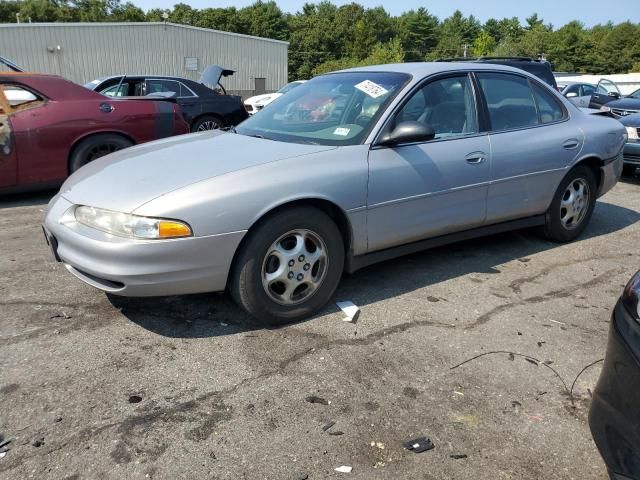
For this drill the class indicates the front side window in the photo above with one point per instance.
(121, 90)
(574, 90)
(588, 90)
(447, 105)
(509, 100)
(333, 109)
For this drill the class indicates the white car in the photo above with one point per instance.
(258, 102)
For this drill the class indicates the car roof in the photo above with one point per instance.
(423, 69)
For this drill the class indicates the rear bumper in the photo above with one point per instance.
(614, 416)
(632, 153)
(141, 268)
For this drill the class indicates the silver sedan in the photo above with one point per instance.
(351, 168)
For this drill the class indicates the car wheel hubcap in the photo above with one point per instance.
(101, 150)
(294, 267)
(208, 125)
(574, 204)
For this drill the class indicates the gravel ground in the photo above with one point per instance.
(216, 396)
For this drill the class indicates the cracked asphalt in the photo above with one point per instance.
(223, 398)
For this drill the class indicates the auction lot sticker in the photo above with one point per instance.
(372, 89)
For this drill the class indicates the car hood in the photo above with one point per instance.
(262, 98)
(127, 179)
(630, 103)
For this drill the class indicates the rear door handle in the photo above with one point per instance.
(571, 144)
(475, 158)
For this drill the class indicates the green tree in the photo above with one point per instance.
(418, 32)
(484, 44)
(263, 19)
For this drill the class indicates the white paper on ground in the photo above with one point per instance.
(344, 469)
(350, 309)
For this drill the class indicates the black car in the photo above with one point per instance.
(614, 416)
(202, 107)
(540, 68)
(607, 93)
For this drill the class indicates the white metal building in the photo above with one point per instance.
(84, 51)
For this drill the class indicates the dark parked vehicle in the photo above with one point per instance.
(540, 68)
(614, 417)
(50, 127)
(607, 93)
(632, 147)
(203, 107)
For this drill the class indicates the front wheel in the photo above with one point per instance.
(572, 205)
(289, 266)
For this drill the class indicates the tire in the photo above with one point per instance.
(208, 122)
(94, 147)
(628, 170)
(269, 300)
(566, 223)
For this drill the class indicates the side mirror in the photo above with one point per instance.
(571, 95)
(614, 94)
(408, 132)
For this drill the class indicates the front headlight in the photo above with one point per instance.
(131, 226)
(633, 133)
(631, 296)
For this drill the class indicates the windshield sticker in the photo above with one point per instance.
(372, 89)
(343, 132)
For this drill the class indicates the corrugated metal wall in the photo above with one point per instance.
(84, 51)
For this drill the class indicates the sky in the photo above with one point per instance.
(557, 12)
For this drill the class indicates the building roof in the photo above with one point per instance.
(132, 24)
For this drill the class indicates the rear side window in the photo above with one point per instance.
(549, 109)
(510, 101)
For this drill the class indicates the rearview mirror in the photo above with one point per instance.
(571, 94)
(408, 132)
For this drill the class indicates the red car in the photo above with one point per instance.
(50, 127)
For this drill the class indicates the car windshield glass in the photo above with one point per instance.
(289, 86)
(635, 94)
(334, 109)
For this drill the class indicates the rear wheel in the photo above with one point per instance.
(94, 147)
(289, 266)
(208, 122)
(572, 205)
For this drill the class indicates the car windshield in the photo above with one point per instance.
(289, 86)
(333, 109)
(635, 94)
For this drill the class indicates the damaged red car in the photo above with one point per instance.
(50, 127)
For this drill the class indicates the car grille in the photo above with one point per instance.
(622, 112)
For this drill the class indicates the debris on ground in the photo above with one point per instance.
(327, 426)
(337, 433)
(38, 442)
(419, 445)
(64, 315)
(541, 343)
(350, 309)
(316, 399)
(433, 299)
(458, 456)
(57, 419)
(135, 399)
(344, 469)
(301, 476)
(378, 445)
(4, 445)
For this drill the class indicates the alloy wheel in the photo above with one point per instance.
(294, 267)
(574, 204)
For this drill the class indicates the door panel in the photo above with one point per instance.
(425, 190)
(606, 91)
(527, 166)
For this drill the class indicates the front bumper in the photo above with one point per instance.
(141, 268)
(614, 416)
(632, 153)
